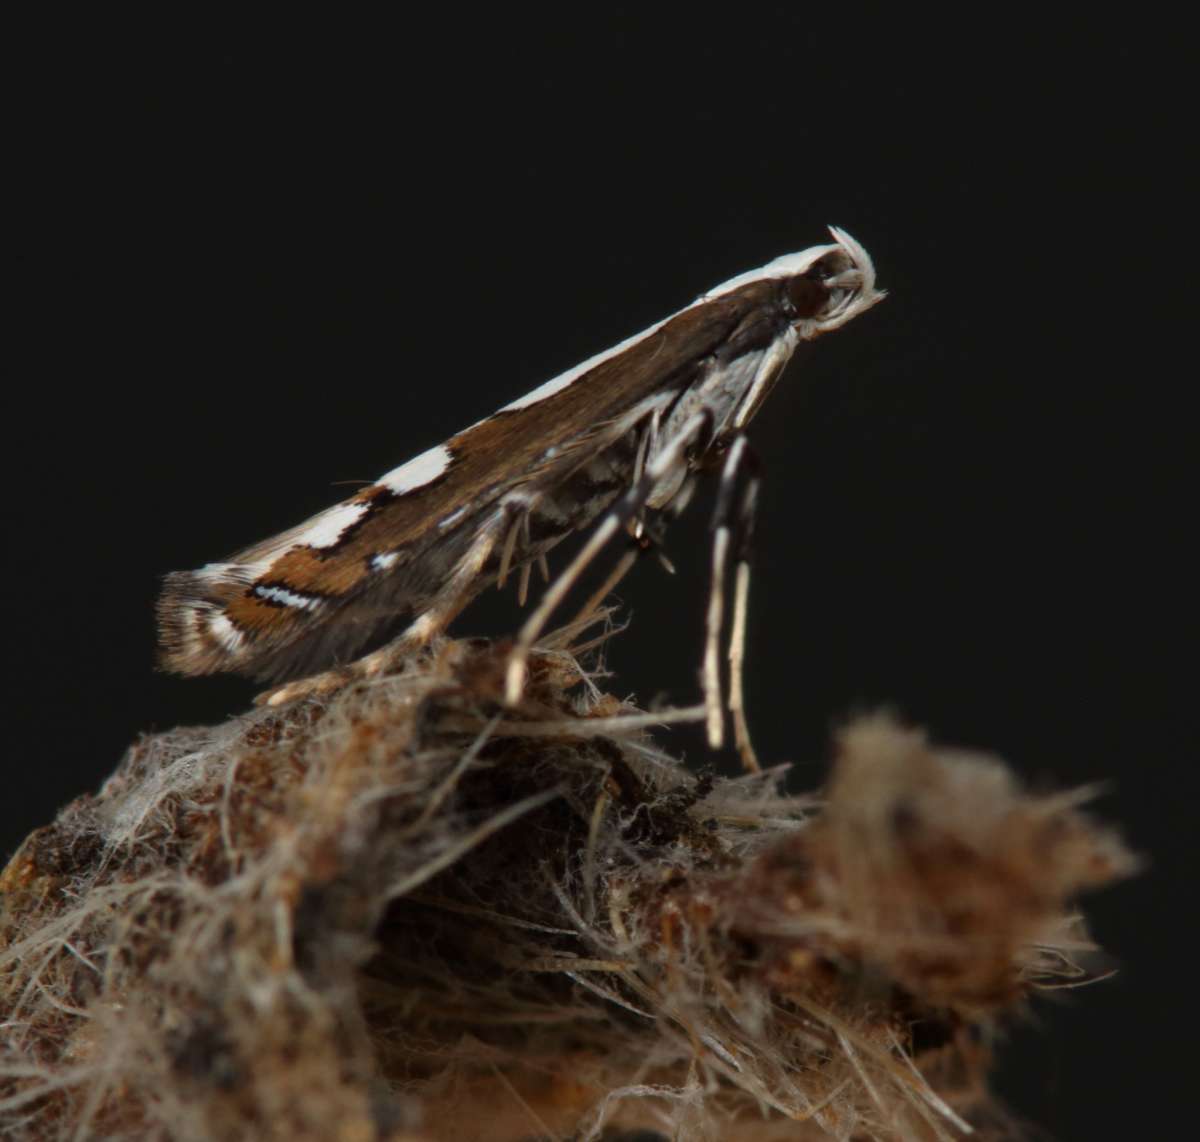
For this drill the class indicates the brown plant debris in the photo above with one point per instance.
(404, 912)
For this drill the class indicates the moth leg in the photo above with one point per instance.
(710, 670)
(747, 507)
(610, 583)
(625, 509)
(519, 519)
(523, 585)
(714, 620)
(732, 527)
(527, 566)
(458, 591)
(456, 594)
(311, 687)
(645, 445)
(639, 543)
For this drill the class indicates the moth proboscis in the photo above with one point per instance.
(617, 442)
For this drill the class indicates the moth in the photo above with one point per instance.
(616, 442)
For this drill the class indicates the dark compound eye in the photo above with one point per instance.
(807, 295)
(825, 268)
(809, 292)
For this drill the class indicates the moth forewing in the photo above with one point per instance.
(627, 427)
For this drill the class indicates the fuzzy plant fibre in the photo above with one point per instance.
(403, 912)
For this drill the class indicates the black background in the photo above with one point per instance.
(252, 264)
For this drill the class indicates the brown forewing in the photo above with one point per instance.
(502, 452)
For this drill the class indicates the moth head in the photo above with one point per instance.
(826, 286)
(823, 286)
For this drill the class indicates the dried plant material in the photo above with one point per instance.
(404, 912)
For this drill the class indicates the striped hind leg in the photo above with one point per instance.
(668, 462)
(733, 533)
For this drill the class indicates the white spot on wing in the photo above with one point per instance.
(225, 633)
(383, 561)
(223, 574)
(215, 572)
(326, 529)
(419, 471)
(288, 598)
(453, 517)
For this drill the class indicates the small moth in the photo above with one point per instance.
(618, 439)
